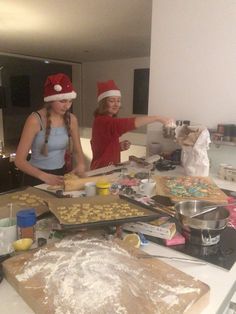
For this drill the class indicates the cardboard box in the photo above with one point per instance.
(165, 231)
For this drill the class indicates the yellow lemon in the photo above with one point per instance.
(132, 240)
(22, 244)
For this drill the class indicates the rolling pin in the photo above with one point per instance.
(73, 183)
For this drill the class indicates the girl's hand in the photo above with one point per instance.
(167, 121)
(124, 145)
(52, 179)
(80, 170)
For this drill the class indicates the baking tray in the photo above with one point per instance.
(14, 197)
(154, 206)
(179, 188)
(101, 201)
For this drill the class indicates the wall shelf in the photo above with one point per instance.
(219, 143)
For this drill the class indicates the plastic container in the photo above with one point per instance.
(26, 221)
(222, 171)
(8, 235)
(103, 188)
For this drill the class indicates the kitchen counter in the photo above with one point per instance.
(222, 283)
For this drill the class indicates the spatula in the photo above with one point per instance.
(207, 209)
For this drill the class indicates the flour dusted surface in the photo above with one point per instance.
(97, 276)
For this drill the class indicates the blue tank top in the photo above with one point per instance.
(57, 144)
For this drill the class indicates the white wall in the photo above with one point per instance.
(193, 61)
(193, 66)
(121, 71)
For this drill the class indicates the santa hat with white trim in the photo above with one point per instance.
(58, 87)
(107, 89)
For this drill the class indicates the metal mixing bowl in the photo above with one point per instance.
(214, 220)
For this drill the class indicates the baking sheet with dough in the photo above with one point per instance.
(23, 199)
(181, 188)
(97, 210)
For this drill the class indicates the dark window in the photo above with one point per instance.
(2, 97)
(20, 90)
(141, 88)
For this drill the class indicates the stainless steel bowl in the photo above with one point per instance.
(214, 220)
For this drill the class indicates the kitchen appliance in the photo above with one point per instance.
(200, 227)
(221, 252)
(203, 229)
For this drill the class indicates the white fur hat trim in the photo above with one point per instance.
(109, 93)
(71, 95)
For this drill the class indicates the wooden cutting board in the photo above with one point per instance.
(102, 277)
(185, 188)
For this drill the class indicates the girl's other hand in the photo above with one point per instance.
(168, 122)
(52, 179)
(80, 171)
(124, 145)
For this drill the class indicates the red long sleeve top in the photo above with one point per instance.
(105, 139)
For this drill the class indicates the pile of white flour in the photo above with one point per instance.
(97, 276)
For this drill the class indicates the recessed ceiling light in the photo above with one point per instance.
(46, 61)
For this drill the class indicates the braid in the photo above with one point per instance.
(67, 124)
(44, 150)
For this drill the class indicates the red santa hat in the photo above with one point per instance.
(107, 89)
(58, 87)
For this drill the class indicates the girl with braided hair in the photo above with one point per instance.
(48, 133)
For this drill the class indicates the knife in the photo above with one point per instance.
(179, 259)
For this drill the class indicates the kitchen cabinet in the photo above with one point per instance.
(10, 176)
(5, 175)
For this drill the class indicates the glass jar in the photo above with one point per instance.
(229, 173)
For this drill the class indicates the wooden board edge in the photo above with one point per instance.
(200, 305)
(34, 304)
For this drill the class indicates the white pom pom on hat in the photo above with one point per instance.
(58, 87)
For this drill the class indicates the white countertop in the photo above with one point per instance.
(222, 283)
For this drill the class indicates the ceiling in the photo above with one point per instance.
(76, 30)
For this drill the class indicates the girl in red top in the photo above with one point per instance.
(107, 128)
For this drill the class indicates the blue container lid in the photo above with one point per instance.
(26, 218)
